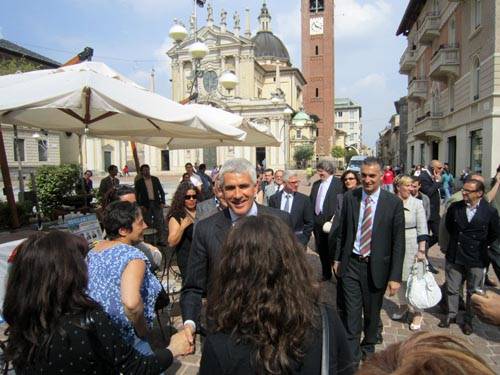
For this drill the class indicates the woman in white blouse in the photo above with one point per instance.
(415, 235)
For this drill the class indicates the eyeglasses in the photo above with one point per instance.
(189, 197)
(468, 191)
(349, 178)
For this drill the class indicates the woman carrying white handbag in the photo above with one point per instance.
(416, 234)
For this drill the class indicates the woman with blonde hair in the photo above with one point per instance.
(415, 236)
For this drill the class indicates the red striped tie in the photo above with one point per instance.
(366, 229)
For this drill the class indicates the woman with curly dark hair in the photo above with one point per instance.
(55, 327)
(265, 310)
(180, 223)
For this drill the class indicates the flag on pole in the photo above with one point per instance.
(201, 3)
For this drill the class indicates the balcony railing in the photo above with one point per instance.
(445, 63)
(408, 61)
(417, 89)
(429, 28)
(428, 127)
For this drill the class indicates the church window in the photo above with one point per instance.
(317, 92)
(316, 5)
(316, 50)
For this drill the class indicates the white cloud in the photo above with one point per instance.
(353, 19)
(370, 82)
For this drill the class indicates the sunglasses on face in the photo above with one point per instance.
(190, 196)
(349, 178)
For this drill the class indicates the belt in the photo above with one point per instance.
(359, 258)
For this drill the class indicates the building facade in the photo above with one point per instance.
(318, 66)
(453, 66)
(388, 144)
(303, 133)
(348, 119)
(27, 149)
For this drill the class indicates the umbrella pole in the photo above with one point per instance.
(7, 183)
(133, 146)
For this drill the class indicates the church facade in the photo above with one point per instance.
(269, 91)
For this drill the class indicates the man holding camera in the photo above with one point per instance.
(473, 225)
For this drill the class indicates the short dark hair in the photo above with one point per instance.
(479, 184)
(120, 215)
(416, 179)
(120, 191)
(269, 170)
(88, 171)
(111, 167)
(371, 160)
(202, 167)
(188, 163)
(143, 166)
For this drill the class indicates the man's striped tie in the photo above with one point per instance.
(366, 229)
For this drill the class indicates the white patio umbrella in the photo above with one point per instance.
(91, 98)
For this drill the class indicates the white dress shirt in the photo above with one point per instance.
(283, 201)
(323, 188)
(471, 211)
(374, 200)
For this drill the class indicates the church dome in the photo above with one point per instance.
(301, 116)
(268, 45)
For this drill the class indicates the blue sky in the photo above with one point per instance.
(132, 36)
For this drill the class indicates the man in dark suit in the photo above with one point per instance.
(324, 201)
(473, 226)
(151, 198)
(431, 183)
(369, 256)
(297, 205)
(239, 186)
(109, 183)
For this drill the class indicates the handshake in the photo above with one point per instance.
(182, 343)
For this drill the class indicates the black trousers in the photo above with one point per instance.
(434, 228)
(494, 255)
(362, 304)
(321, 239)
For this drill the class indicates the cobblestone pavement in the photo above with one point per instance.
(485, 340)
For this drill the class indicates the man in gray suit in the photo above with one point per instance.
(275, 187)
(213, 205)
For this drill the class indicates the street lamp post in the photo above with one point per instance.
(198, 50)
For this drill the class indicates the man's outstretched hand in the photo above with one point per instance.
(487, 307)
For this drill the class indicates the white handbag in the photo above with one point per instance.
(328, 225)
(422, 289)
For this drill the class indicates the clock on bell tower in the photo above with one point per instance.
(318, 68)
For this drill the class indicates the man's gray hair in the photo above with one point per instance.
(288, 174)
(238, 165)
(327, 166)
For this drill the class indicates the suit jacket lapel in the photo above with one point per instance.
(379, 210)
(222, 226)
(358, 194)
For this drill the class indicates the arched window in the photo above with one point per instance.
(476, 74)
(316, 5)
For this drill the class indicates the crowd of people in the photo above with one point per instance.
(241, 237)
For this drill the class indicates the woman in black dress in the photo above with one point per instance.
(264, 307)
(55, 327)
(180, 223)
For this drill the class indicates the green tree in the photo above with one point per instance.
(54, 183)
(349, 154)
(303, 154)
(338, 152)
(11, 66)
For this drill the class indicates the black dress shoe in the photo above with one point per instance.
(467, 329)
(445, 323)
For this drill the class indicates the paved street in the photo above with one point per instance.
(485, 340)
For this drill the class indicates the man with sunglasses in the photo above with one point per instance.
(473, 226)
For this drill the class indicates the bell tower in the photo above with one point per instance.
(318, 68)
